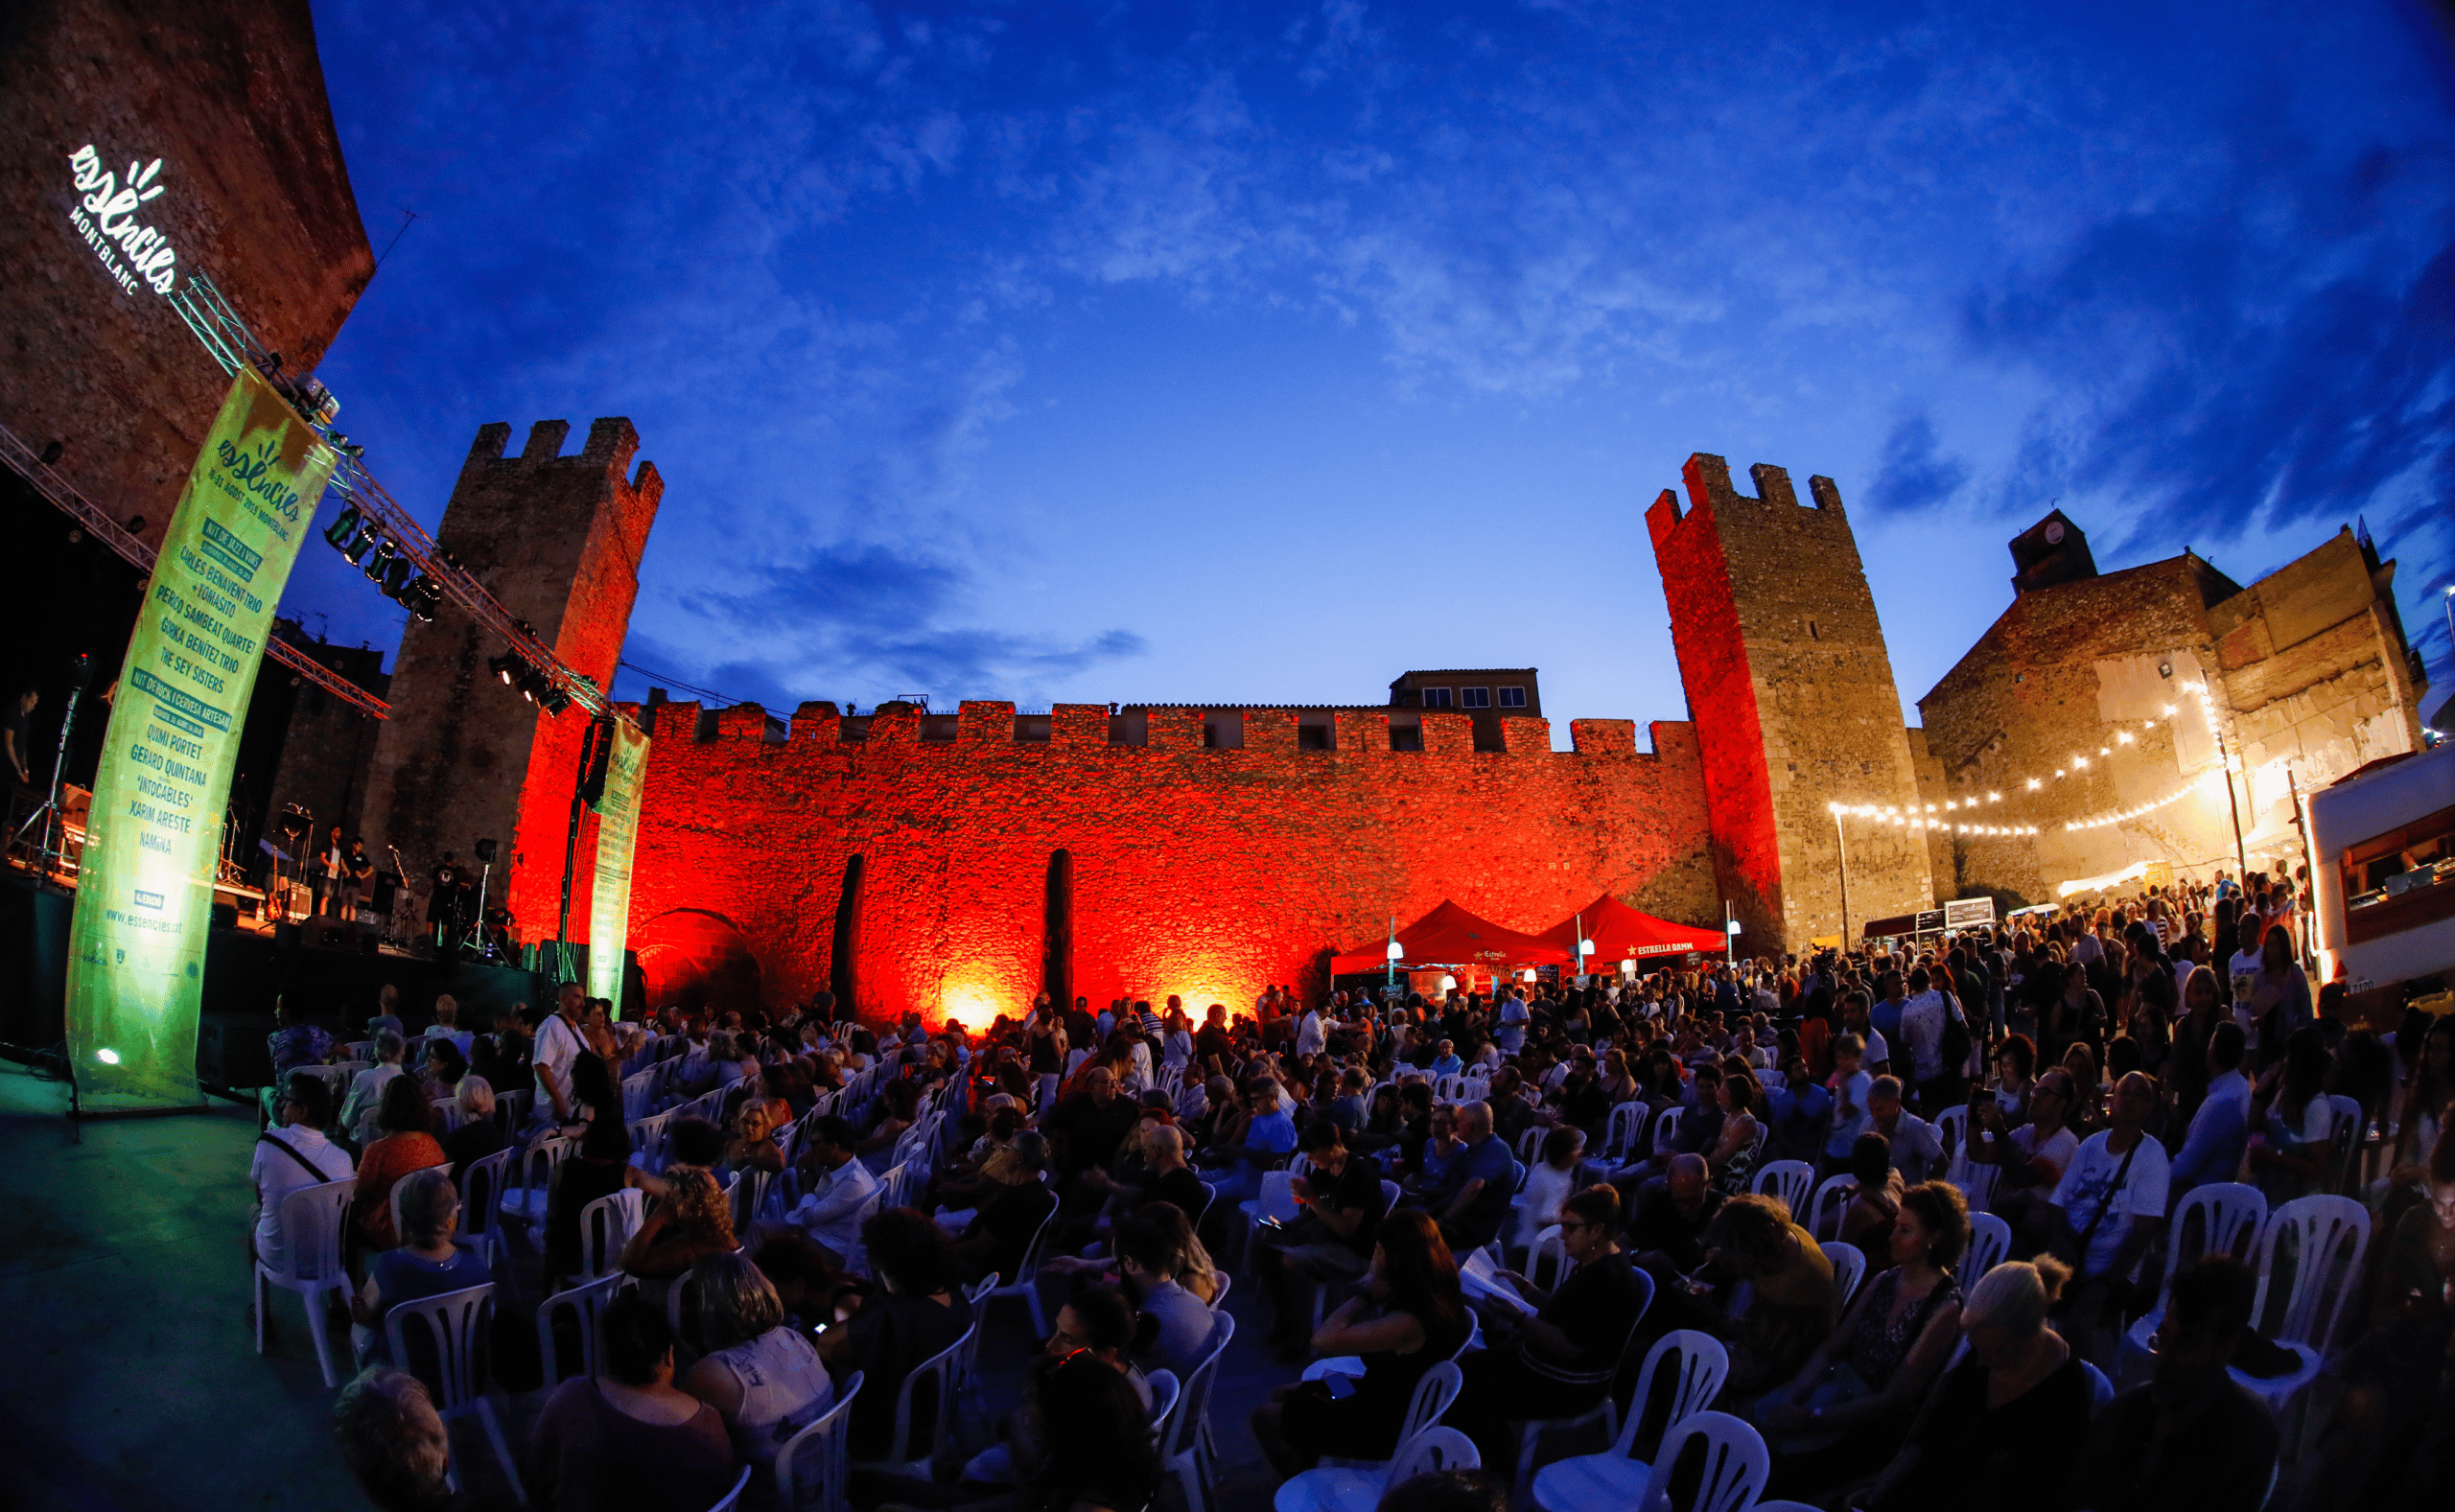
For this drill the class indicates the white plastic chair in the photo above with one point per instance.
(1790, 1180)
(1183, 1450)
(1990, 1240)
(525, 1205)
(1666, 1127)
(1699, 1364)
(1435, 1449)
(1026, 1280)
(813, 1468)
(1621, 1132)
(1277, 1201)
(1849, 1268)
(2329, 1236)
(310, 1232)
(1164, 1392)
(2349, 1131)
(1603, 1416)
(1951, 1126)
(456, 1322)
(1832, 1199)
(911, 1450)
(1547, 1261)
(2230, 1216)
(1434, 1393)
(1736, 1464)
(480, 1189)
(447, 1112)
(732, 1499)
(586, 1305)
(605, 1225)
(647, 1141)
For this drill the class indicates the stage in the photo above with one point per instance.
(243, 972)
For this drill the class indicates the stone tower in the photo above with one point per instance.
(557, 541)
(1796, 710)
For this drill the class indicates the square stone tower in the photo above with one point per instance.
(1792, 690)
(557, 540)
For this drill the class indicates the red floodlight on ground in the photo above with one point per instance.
(1620, 933)
(1451, 936)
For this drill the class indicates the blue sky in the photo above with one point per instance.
(1259, 352)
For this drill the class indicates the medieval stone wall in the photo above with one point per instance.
(1206, 873)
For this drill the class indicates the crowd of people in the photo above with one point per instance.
(1463, 1187)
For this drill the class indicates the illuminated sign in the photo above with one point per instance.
(105, 214)
(145, 890)
(618, 830)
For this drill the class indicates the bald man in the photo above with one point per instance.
(1472, 1200)
(1666, 1228)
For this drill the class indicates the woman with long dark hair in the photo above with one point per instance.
(1419, 1321)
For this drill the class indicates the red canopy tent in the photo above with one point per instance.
(1451, 936)
(1620, 933)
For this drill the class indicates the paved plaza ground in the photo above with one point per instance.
(134, 1381)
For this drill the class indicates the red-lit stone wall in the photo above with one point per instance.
(1204, 873)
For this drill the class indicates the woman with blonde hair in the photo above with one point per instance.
(476, 1137)
(2021, 1388)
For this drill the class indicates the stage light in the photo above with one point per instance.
(339, 532)
(396, 577)
(108, 1057)
(356, 552)
(557, 699)
(501, 667)
(381, 563)
(422, 597)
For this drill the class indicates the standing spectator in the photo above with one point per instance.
(626, 1439)
(1852, 1087)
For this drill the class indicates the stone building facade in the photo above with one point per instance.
(2085, 688)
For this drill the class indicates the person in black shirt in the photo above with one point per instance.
(1009, 1218)
(1667, 1232)
(1331, 1238)
(2192, 1437)
(1558, 1362)
(1088, 1127)
(1165, 1175)
(17, 736)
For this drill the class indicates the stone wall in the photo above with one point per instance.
(1792, 689)
(2308, 674)
(1206, 873)
(557, 540)
(229, 97)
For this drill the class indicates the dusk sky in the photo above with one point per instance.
(1257, 352)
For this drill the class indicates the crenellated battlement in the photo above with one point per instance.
(1279, 733)
(612, 442)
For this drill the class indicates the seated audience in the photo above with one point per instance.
(1795, 1304)
(917, 1313)
(765, 1378)
(2001, 1424)
(2192, 1436)
(367, 1089)
(1177, 1325)
(403, 1145)
(428, 1263)
(478, 1135)
(294, 1154)
(994, 1242)
(395, 1446)
(1341, 1204)
(1418, 1319)
(627, 1440)
(1556, 1362)
(689, 1223)
(837, 1191)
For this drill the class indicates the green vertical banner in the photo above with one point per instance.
(145, 889)
(617, 827)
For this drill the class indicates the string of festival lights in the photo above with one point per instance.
(1931, 818)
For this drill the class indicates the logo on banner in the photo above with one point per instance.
(105, 216)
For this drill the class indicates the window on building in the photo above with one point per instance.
(1512, 698)
(1435, 698)
(1474, 698)
(1406, 738)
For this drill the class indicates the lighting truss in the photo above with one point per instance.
(133, 551)
(226, 337)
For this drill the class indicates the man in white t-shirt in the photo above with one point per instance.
(1921, 1031)
(1515, 1016)
(2113, 1194)
(1852, 1087)
(2248, 973)
(1309, 1038)
(557, 1046)
(291, 1155)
